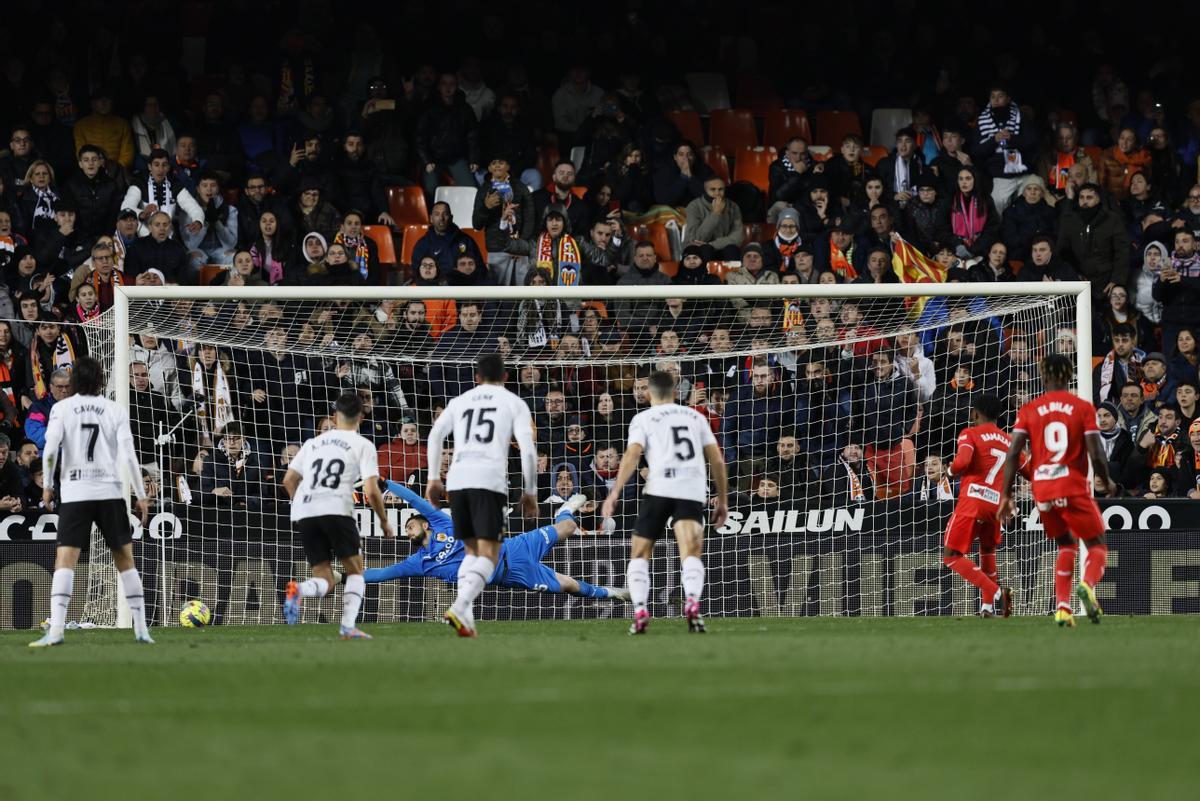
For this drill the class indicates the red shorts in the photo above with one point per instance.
(963, 530)
(1078, 516)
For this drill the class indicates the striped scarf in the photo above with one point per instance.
(104, 289)
(64, 358)
(215, 409)
(1162, 452)
(840, 263)
(989, 127)
(44, 210)
(563, 266)
(359, 253)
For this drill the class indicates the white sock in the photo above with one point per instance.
(352, 596)
(638, 578)
(131, 584)
(691, 574)
(314, 588)
(472, 578)
(60, 599)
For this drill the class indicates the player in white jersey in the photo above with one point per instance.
(88, 443)
(677, 441)
(483, 420)
(320, 481)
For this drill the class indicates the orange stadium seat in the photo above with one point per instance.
(382, 235)
(408, 241)
(547, 157)
(780, 126)
(871, 155)
(732, 129)
(687, 122)
(716, 162)
(832, 126)
(479, 237)
(407, 206)
(752, 164)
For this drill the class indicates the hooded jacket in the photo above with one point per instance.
(1146, 303)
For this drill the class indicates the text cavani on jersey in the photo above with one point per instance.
(331, 465)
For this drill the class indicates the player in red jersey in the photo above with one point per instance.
(1062, 433)
(982, 449)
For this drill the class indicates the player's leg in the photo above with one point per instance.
(352, 597)
(637, 579)
(131, 585)
(319, 552)
(66, 557)
(1087, 524)
(990, 536)
(1064, 571)
(960, 536)
(689, 534)
(479, 515)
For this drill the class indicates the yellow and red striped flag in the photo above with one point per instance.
(914, 267)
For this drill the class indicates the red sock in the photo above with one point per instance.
(987, 563)
(964, 567)
(1064, 573)
(1097, 558)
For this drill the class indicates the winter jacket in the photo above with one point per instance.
(1181, 299)
(359, 187)
(743, 277)
(786, 186)
(989, 157)
(97, 201)
(751, 424)
(109, 132)
(36, 420)
(1023, 222)
(927, 226)
(446, 248)
(638, 313)
(250, 212)
(888, 410)
(488, 220)
(1099, 249)
(1144, 289)
(170, 256)
(886, 169)
(218, 231)
(673, 188)
(447, 134)
(1116, 170)
(718, 230)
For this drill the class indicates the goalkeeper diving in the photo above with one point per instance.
(439, 552)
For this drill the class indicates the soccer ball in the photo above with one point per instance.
(194, 615)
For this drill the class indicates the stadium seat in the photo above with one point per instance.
(547, 157)
(480, 238)
(407, 205)
(885, 122)
(871, 155)
(833, 125)
(820, 152)
(209, 273)
(382, 235)
(732, 129)
(753, 164)
(716, 162)
(578, 154)
(579, 191)
(757, 94)
(709, 90)
(782, 124)
(461, 200)
(408, 241)
(670, 268)
(659, 236)
(757, 232)
(687, 122)
(723, 268)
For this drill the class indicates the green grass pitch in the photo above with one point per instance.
(858, 709)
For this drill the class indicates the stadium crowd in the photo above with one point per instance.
(271, 163)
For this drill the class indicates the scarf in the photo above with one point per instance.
(901, 182)
(856, 487)
(118, 250)
(1110, 440)
(940, 491)
(989, 126)
(793, 314)
(566, 260)
(786, 250)
(359, 254)
(6, 384)
(87, 314)
(64, 358)
(44, 209)
(160, 194)
(266, 262)
(840, 263)
(967, 218)
(1162, 452)
(215, 410)
(1062, 167)
(1150, 389)
(1108, 370)
(104, 289)
(929, 143)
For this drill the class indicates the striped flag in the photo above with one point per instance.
(914, 267)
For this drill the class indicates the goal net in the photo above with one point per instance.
(837, 407)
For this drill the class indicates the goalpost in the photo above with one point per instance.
(249, 371)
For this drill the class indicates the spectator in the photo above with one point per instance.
(217, 138)
(506, 135)
(95, 194)
(11, 484)
(1184, 364)
(926, 217)
(1166, 166)
(1031, 215)
(552, 422)
(1094, 239)
(1116, 441)
(151, 129)
(160, 364)
(404, 455)
(753, 419)
(715, 223)
(363, 252)
(271, 251)
(994, 267)
(934, 484)
(18, 159)
(1187, 478)
(900, 170)
(150, 414)
(888, 412)
(752, 272)
(257, 198)
(848, 173)
(574, 102)
(231, 474)
(788, 177)
(912, 363)
(466, 339)
(1134, 415)
(633, 314)
(1178, 288)
(106, 130)
(1119, 310)
(358, 184)
(1156, 447)
(1119, 163)
(1055, 166)
(847, 482)
(187, 165)
(38, 415)
(1187, 395)
(37, 200)
(216, 240)
(447, 137)
(1157, 388)
(1045, 265)
(61, 247)
(628, 176)
(444, 241)
(102, 277)
(560, 196)
(1002, 147)
(682, 179)
(504, 210)
(157, 191)
(974, 219)
(786, 466)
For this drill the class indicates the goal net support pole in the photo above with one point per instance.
(1029, 303)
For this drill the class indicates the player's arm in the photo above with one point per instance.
(127, 455)
(1012, 461)
(437, 436)
(1095, 450)
(523, 431)
(409, 568)
(291, 482)
(368, 467)
(438, 520)
(720, 477)
(629, 463)
(962, 457)
(54, 435)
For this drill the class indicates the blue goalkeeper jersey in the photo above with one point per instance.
(442, 552)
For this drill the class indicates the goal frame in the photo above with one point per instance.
(123, 295)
